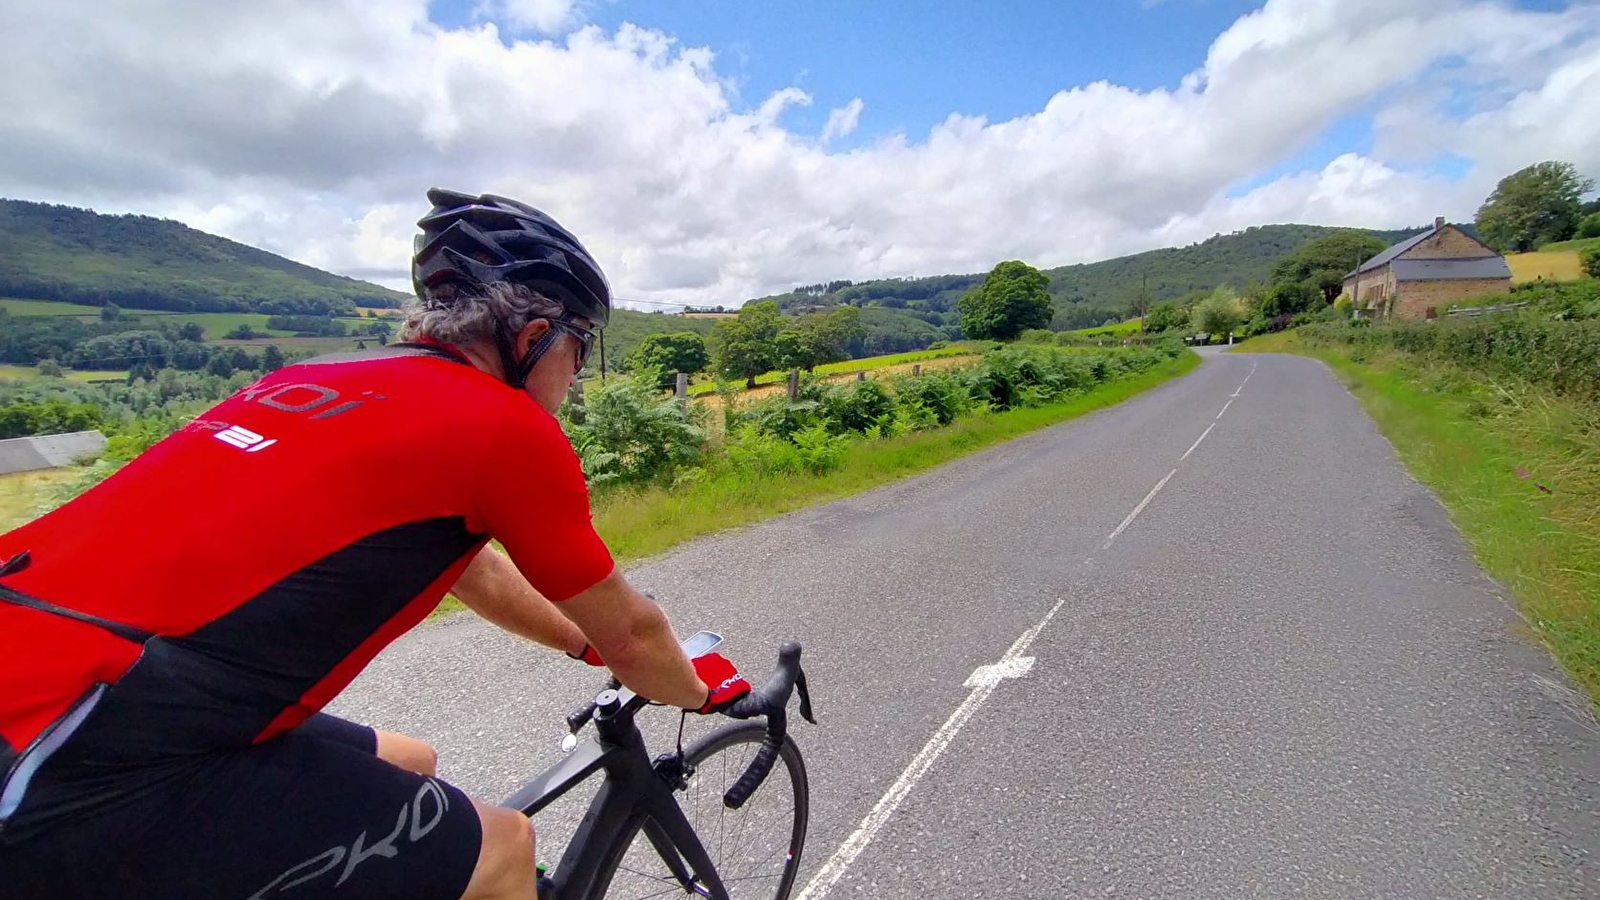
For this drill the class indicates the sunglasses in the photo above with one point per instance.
(585, 340)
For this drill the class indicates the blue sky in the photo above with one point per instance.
(1372, 113)
(914, 62)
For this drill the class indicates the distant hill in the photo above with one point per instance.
(1092, 293)
(629, 327)
(64, 253)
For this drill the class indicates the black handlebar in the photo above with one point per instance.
(770, 700)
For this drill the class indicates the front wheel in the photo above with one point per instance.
(755, 849)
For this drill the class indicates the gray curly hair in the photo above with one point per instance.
(467, 317)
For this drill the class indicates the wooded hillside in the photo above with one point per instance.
(63, 253)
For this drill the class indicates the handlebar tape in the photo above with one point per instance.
(753, 777)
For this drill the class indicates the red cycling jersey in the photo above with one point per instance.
(248, 566)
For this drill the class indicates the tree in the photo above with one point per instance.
(1589, 227)
(820, 338)
(746, 345)
(1165, 316)
(1324, 261)
(1011, 300)
(110, 312)
(49, 368)
(191, 331)
(1289, 298)
(1533, 207)
(1218, 313)
(220, 364)
(669, 354)
(271, 358)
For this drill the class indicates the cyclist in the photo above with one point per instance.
(167, 639)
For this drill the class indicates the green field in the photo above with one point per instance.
(1557, 265)
(1119, 330)
(29, 373)
(18, 307)
(1576, 246)
(215, 324)
(865, 364)
(313, 344)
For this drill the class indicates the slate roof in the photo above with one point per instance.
(1383, 259)
(1485, 267)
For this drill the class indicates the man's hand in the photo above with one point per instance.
(724, 685)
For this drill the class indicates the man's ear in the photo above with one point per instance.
(530, 333)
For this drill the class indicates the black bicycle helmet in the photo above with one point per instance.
(488, 238)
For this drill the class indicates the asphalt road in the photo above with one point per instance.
(1284, 677)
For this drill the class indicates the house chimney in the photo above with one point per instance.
(1438, 222)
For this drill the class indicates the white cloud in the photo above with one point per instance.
(843, 121)
(547, 16)
(313, 128)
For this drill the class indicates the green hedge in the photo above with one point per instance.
(1562, 355)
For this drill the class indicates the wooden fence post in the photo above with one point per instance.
(575, 400)
(794, 383)
(916, 370)
(681, 389)
(861, 376)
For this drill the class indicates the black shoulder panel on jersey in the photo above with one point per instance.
(221, 685)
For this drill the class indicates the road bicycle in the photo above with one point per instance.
(706, 821)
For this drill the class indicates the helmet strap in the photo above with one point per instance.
(516, 371)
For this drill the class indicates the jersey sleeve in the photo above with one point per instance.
(531, 497)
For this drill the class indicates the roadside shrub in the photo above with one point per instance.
(941, 396)
(1590, 258)
(860, 406)
(813, 450)
(778, 416)
(627, 431)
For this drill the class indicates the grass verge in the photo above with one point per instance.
(21, 493)
(641, 523)
(1519, 471)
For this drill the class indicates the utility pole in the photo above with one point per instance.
(1144, 300)
(1355, 298)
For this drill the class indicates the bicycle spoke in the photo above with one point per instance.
(670, 879)
(752, 850)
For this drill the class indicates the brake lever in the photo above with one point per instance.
(805, 695)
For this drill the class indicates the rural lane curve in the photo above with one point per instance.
(1283, 677)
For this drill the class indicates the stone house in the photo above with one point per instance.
(1420, 276)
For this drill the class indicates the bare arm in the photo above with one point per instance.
(493, 588)
(635, 639)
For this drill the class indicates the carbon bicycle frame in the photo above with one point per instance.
(632, 788)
